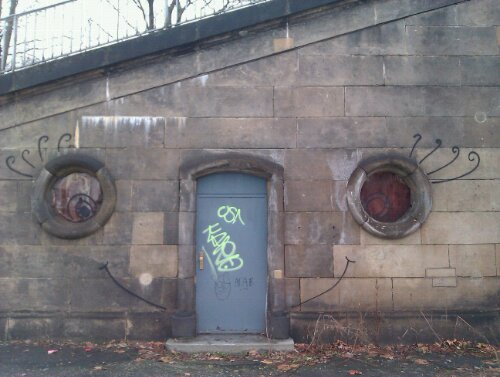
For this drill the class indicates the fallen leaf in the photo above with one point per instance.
(353, 372)
(99, 367)
(267, 361)
(287, 367)
(50, 352)
(165, 359)
(421, 362)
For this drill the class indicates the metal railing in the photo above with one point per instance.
(75, 26)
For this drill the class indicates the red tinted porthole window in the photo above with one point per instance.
(76, 197)
(385, 196)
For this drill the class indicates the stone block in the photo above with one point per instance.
(123, 195)
(230, 133)
(118, 230)
(473, 260)
(292, 292)
(187, 228)
(122, 132)
(451, 40)
(149, 196)
(21, 261)
(8, 198)
(480, 70)
(440, 272)
(497, 252)
(450, 281)
(103, 295)
(468, 294)
(191, 101)
(440, 17)
(18, 229)
(33, 294)
(308, 261)
(368, 239)
(24, 192)
(148, 228)
(464, 195)
(308, 101)
(85, 261)
(478, 13)
(187, 261)
(342, 132)
(461, 228)
(282, 44)
(308, 195)
(147, 262)
(34, 328)
(313, 228)
(96, 238)
(422, 70)
(171, 232)
(389, 10)
(386, 39)
(139, 163)
(148, 326)
(60, 100)
(276, 70)
(97, 327)
(388, 260)
(333, 70)
(8, 115)
(316, 164)
(420, 101)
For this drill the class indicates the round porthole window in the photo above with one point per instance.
(389, 195)
(74, 196)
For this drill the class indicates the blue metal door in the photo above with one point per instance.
(231, 256)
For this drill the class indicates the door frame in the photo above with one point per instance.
(205, 163)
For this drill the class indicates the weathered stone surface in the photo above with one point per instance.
(292, 291)
(179, 100)
(308, 261)
(140, 163)
(440, 272)
(8, 198)
(341, 132)
(388, 260)
(368, 239)
(96, 327)
(440, 17)
(464, 195)
(422, 70)
(122, 132)
(478, 13)
(123, 196)
(148, 326)
(468, 294)
(187, 258)
(445, 40)
(481, 131)
(171, 231)
(312, 228)
(18, 229)
(152, 196)
(187, 228)
(389, 10)
(18, 164)
(339, 70)
(148, 228)
(444, 281)
(230, 133)
(118, 230)
(33, 294)
(488, 167)
(308, 195)
(154, 261)
(420, 101)
(480, 70)
(461, 228)
(473, 260)
(351, 294)
(24, 192)
(308, 101)
(34, 328)
(336, 164)
(378, 40)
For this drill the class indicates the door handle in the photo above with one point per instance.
(200, 259)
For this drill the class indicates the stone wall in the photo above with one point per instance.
(350, 81)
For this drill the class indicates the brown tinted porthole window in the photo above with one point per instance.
(389, 195)
(77, 197)
(74, 196)
(385, 196)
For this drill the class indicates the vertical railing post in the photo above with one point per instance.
(14, 45)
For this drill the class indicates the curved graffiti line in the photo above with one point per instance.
(230, 214)
(63, 136)
(11, 160)
(25, 159)
(43, 139)
(226, 259)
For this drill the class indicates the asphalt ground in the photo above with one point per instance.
(52, 359)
